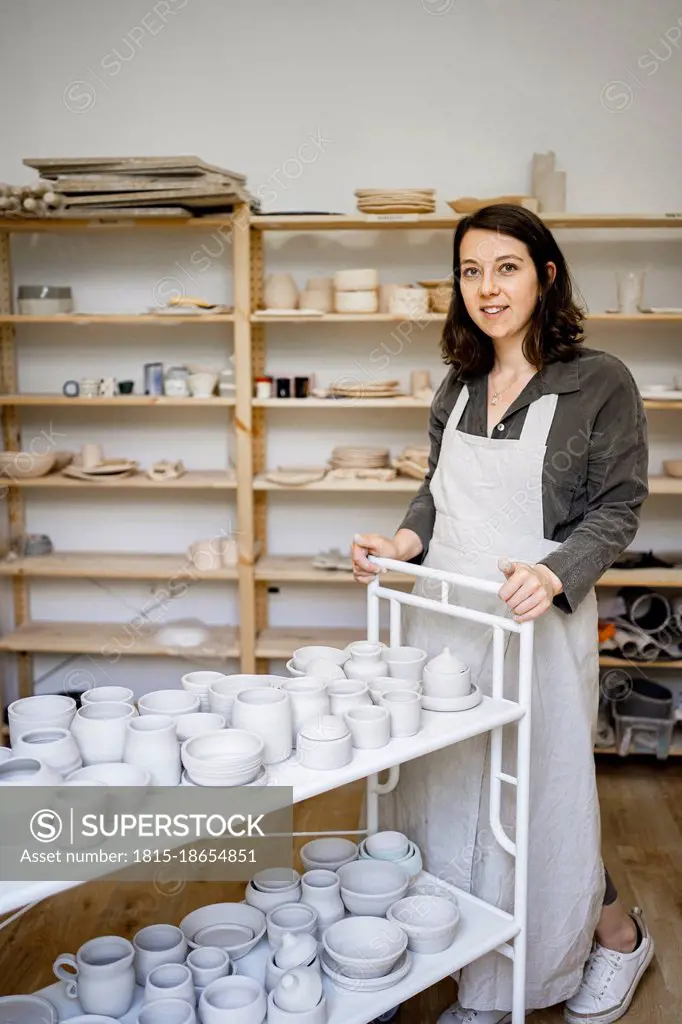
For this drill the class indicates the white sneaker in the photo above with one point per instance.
(456, 1014)
(610, 980)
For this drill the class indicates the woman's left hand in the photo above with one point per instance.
(529, 590)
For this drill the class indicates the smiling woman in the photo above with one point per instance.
(537, 471)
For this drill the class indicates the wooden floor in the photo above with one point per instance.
(642, 819)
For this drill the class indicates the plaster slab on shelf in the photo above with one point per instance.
(220, 480)
(109, 638)
(111, 565)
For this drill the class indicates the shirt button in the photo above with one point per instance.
(500, 426)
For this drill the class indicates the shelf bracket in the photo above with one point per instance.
(375, 789)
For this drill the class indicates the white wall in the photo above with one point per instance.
(313, 100)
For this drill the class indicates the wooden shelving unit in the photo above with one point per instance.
(116, 319)
(119, 401)
(255, 642)
(209, 480)
(102, 565)
(29, 637)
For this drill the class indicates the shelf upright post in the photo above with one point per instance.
(11, 429)
(242, 270)
(258, 438)
(523, 760)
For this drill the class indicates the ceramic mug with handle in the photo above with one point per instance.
(101, 975)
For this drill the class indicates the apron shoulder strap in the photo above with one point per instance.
(459, 406)
(539, 419)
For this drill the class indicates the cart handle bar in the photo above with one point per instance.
(487, 586)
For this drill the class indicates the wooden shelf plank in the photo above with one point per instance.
(47, 225)
(113, 637)
(342, 403)
(359, 222)
(642, 578)
(299, 569)
(120, 319)
(216, 480)
(650, 403)
(112, 566)
(117, 400)
(401, 485)
(665, 485)
(260, 317)
(607, 661)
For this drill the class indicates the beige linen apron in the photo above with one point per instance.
(488, 499)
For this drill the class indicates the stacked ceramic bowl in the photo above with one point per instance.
(234, 927)
(386, 848)
(198, 683)
(171, 703)
(226, 757)
(356, 291)
(43, 711)
(365, 954)
(430, 922)
(319, 662)
(370, 887)
(328, 854)
(222, 692)
(272, 888)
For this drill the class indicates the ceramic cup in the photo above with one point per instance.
(91, 454)
(207, 964)
(370, 727)
(405, 662)
(167, 1011)
(101, 975)
(405, 709)
(290, 919)
(155, 945)
(100, 731)
(266, 711)
(170, 981)
(237, 999)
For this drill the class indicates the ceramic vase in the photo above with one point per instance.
(151, 742)
(365, 662)
(280, 292)
(321, 890)
(309, 699)
(100, 731)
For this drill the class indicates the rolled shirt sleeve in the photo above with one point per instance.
(421, 513)
(616, 487)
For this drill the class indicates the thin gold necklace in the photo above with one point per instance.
(496, 394)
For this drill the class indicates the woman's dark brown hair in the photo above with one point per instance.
(556, 326)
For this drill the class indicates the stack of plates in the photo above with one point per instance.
(361, 457)
(379, 389)
(226, 757)
(413, 462)
(406, 200)
(108, 469)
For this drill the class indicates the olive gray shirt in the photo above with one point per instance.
(595, 468)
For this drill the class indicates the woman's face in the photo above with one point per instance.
(499, 283)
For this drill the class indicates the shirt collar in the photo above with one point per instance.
(554, 379)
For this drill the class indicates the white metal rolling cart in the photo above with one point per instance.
(483, 928)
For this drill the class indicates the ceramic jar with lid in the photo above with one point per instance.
(365, 661)
(446, 676)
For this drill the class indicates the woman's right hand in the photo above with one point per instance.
(365, 544)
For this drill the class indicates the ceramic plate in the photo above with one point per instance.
(224, 936)
(471, 700)
(368, 984)
(26, 1010)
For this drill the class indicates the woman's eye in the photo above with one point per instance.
(508, 268)
(469, 271)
